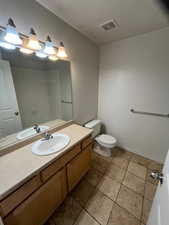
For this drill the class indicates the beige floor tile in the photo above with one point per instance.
(85, 219)
(115, 172)
(66, 213)
(150, 190)
(149, 178)
(155, 166)
(109, 187)
(131, 201)
(140, 160)
(135, 183)
(99, 206)
(146, 210)
(120, 216)
(120, 162)
(119, 152)
(93, 176)
(100, 165)
(138, 170)
(83, 192)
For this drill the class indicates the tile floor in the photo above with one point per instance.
(116, 191)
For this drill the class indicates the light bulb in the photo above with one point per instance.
(61, 51)
(32, 41)
(26, 51)
(48, 48)
(6, 45)
(11, 35)
(53, 57)
(41, 55)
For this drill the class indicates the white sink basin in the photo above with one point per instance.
(29, 132)
(53, 145)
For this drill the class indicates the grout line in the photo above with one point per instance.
(83, 208)
(92, 216)
(128, 212)
(141, 195)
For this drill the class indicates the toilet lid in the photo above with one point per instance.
(107, 139)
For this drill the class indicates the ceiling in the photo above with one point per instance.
(132, 16)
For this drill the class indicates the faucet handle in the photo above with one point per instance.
(35, 126)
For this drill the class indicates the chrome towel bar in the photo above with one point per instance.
(150, 113)
(66, 102)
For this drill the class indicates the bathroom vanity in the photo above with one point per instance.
(32, 186)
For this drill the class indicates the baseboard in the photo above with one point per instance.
(138, 153)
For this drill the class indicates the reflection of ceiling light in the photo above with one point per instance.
(61, 51)
(41, 55)
(32, 41)
(10, 35)
(53, 57)
(6, 45)
(49, 49)
(26, 51)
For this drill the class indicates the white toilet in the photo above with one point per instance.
(105, 142)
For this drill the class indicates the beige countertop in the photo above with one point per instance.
(18, 166)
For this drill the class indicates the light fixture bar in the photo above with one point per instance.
(52, 50)
(2, 28)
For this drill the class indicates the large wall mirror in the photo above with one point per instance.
(32, 91)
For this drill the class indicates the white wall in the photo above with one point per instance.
(83, 53)
(31, 86)
(54, 91)
(66, 92)
(134, 73)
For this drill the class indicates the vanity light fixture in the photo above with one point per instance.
(61, 51)
(32, 41)
(11, 39)
(10, 34)
(26, 51)
(53, 57)
(6, 45)
(40, 54)
(49, 47)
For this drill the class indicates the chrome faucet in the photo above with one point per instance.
(47, 136)
(37, 128)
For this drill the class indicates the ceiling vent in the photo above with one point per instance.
(109, 25)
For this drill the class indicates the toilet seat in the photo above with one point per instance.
(106, 141)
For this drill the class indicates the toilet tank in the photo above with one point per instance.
(95, 125)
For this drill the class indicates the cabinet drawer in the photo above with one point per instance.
(14, 199)
(86, 142)
(41, 204)
(77, 168)
(59, 163)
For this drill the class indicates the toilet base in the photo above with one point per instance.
(107, 152)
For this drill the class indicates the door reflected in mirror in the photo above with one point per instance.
(33, 91)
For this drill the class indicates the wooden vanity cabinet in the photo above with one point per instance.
(35, 201)
(88, 140)
(18, 196)
(78, 167)
(59, 163)
(41, 204)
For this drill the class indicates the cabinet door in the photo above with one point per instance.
(41, 204)
(77, 168)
